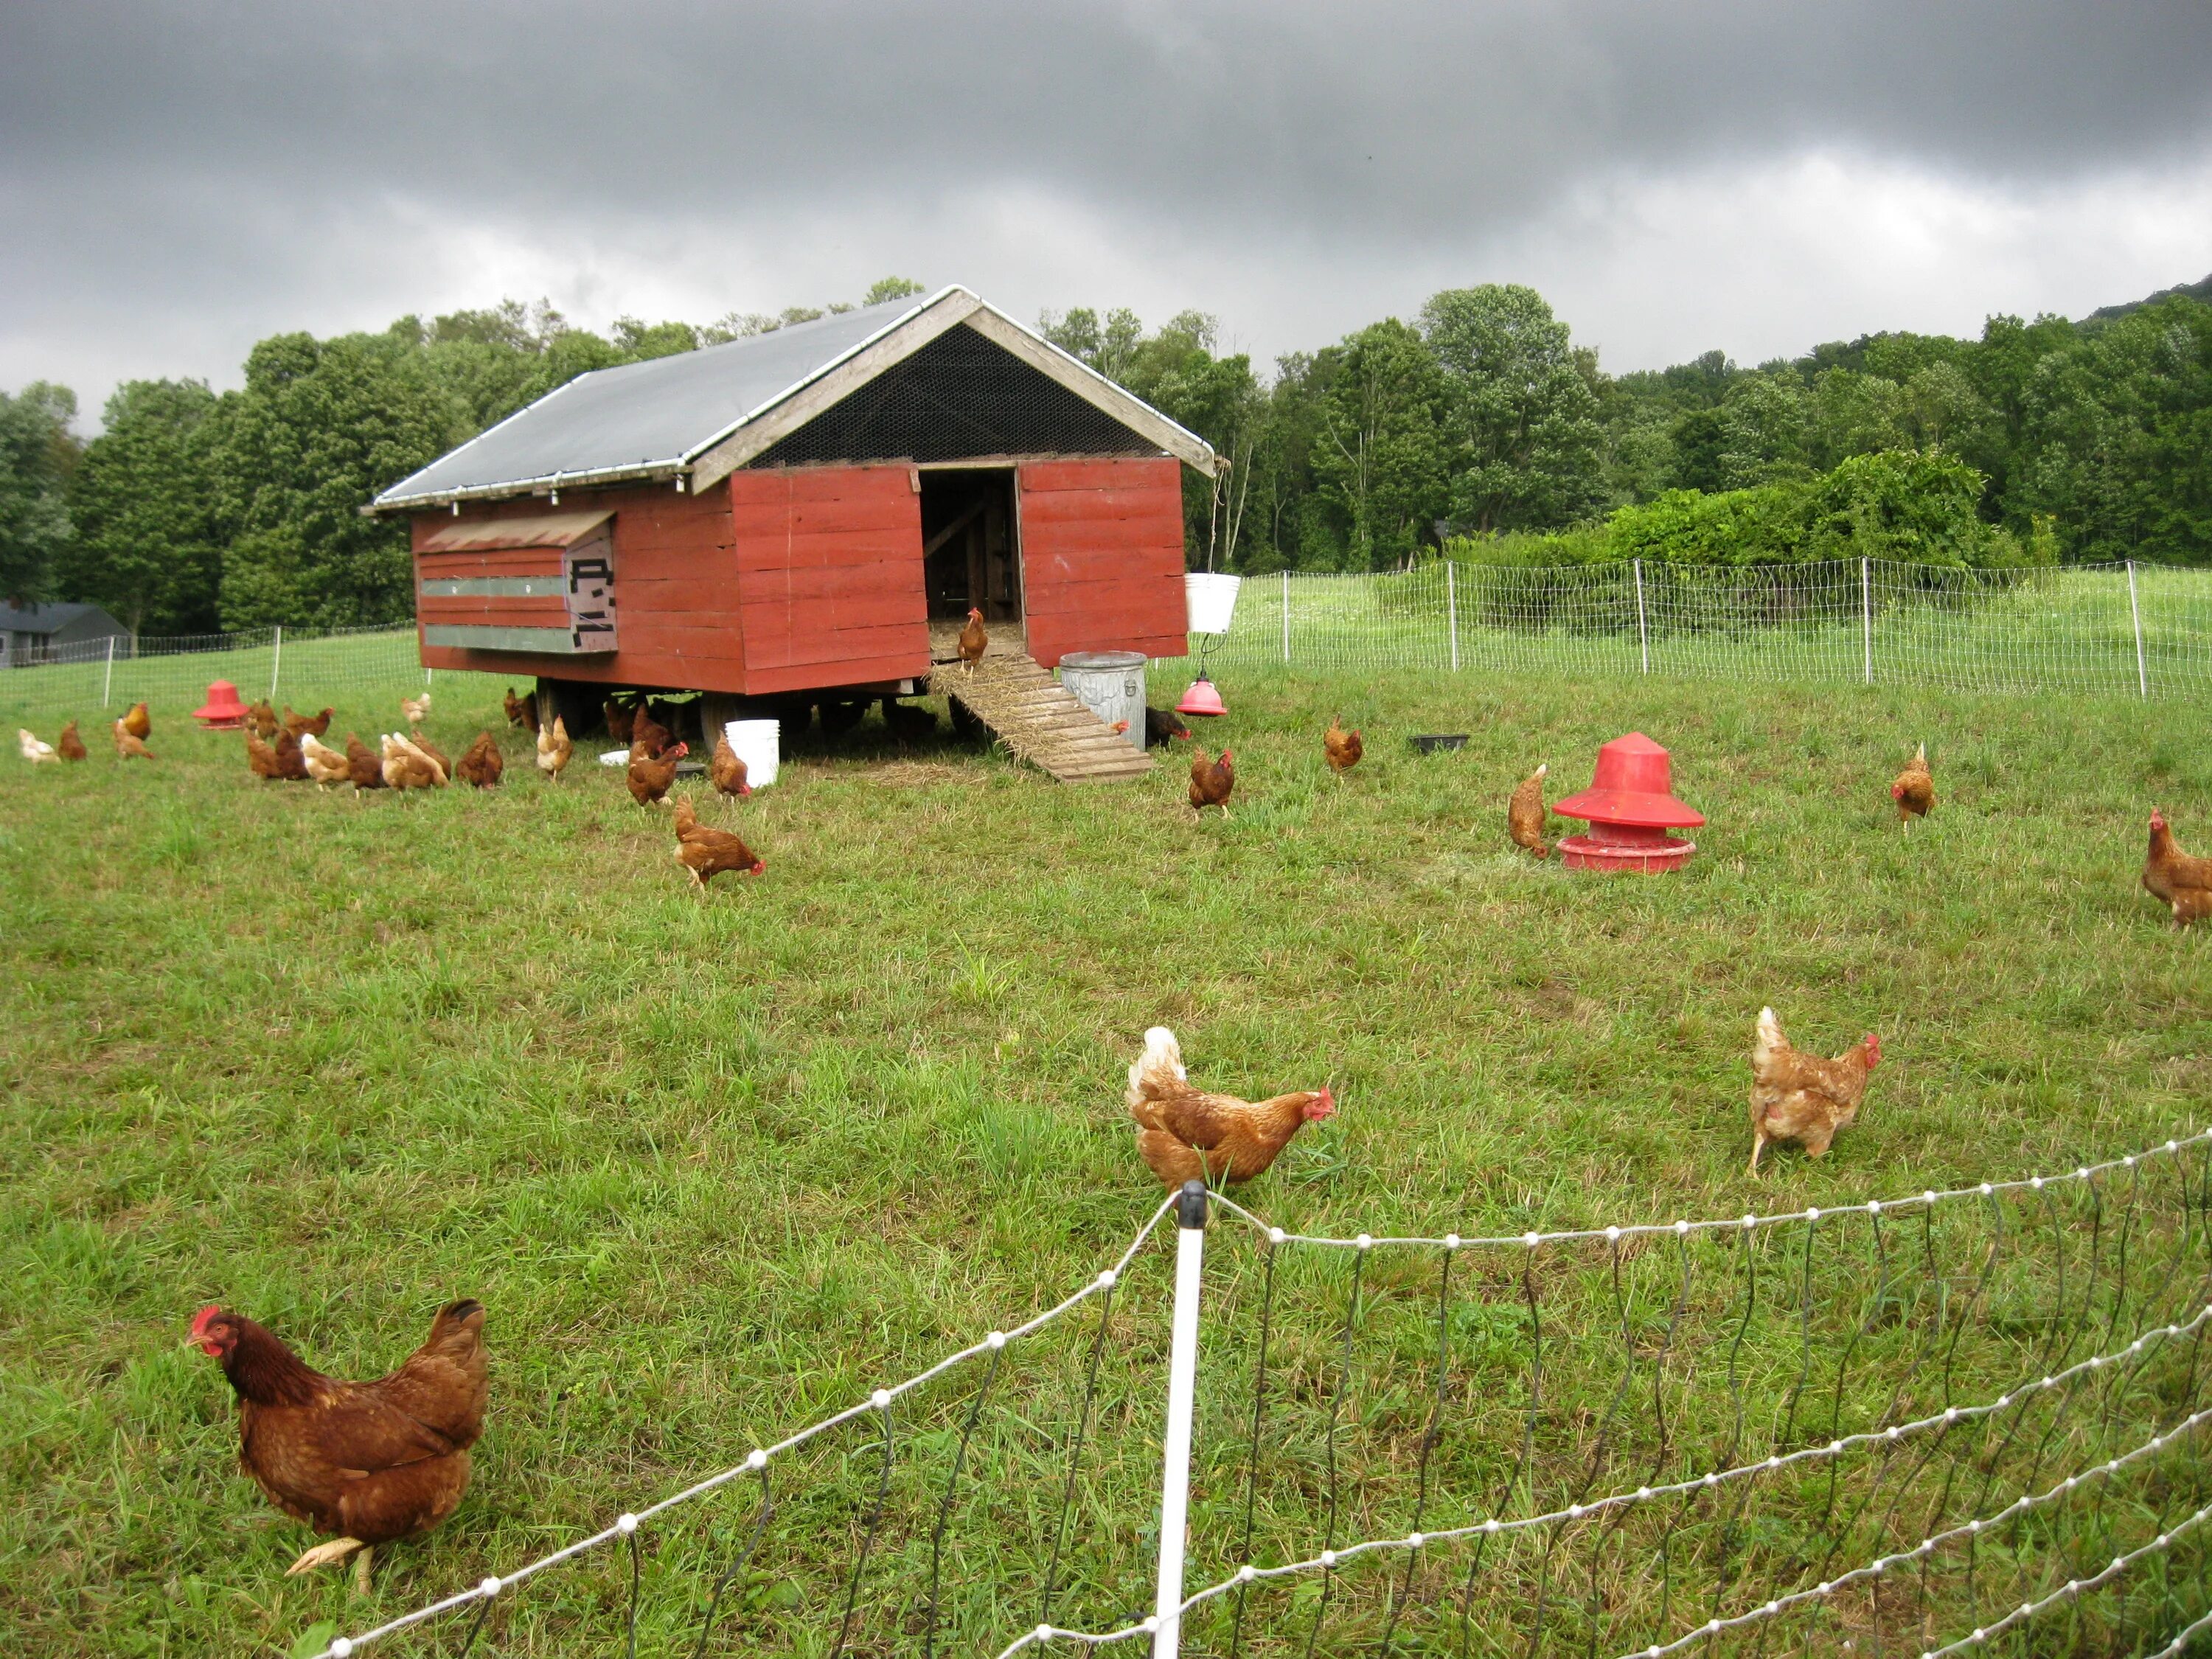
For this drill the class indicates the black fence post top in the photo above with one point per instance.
(1190, 1205)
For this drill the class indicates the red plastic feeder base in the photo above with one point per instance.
(1622, 847)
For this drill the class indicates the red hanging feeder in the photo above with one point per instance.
(1630, 805)
(1202, 698)
(223, 713)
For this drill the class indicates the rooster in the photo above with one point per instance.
(139, 722)
(362, 766)
(129, 745)
(650, 775)
(728, 769)
(973, 641)
(1341, 748)
(32, 749)
(707, 853)
(521, 711)
(416, 710)
(1211, 782)
(483, 765)
(70, 744)
(2182, 883)
(371, 1462)
(1914, 792)
(300, 725)
(1186, 1134)
(1162, 728)
(1524, 813)
(1801, 1098)
(325, 765)
(554, 749)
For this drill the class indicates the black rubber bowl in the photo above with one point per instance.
(1430, 742)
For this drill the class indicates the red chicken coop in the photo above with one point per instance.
(812, 510)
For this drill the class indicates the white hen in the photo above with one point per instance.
(33, 750)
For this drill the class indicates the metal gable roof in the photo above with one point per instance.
(644, 417)
(699, 413)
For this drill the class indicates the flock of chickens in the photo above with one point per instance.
(369, 1463)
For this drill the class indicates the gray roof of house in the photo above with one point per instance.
(48, 618)
(651, 416)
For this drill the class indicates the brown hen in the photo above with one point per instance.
(1187, 1134)
(1801, 1098)
(707, 853)
(370, 1462)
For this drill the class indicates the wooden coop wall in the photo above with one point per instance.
(676, 593)
(829, 576)
(1102, 557)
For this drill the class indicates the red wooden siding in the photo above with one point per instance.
(829, 577)
(676, 593)
(1101, 557)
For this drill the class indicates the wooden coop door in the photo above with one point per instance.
(971, 550)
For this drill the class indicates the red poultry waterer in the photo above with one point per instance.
(223, 713)
(1202, 698)
(1631, 806)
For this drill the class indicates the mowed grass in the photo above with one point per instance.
(718, 1168)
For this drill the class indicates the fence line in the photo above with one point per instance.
(172, 673)
(756, 1462)
(1613, 1235)
(2126, 629)
(1328, 1560)
(2120, 1247)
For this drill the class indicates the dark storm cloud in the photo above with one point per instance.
(154, 160)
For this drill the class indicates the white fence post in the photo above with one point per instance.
(1642, 635)
(1286, 614)
(275, 660)
(2142, 680)
(1182, 1396)
(107, 681)
(1866, 620)
(1451, 610)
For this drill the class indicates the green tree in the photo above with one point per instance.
(1521, 408)
(1854, 413)
(147, 548)
(2117, 435)
(884, 289)
(320, 427)
(1918, 506)
(1379, 454)
(1763, 430)
(38, 455)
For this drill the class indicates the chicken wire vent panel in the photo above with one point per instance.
(959, 397)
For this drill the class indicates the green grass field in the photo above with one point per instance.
(717, 1169)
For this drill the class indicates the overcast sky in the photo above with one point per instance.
(179, 181)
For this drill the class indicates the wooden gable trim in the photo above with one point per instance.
(958, 305)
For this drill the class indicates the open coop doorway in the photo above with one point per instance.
(971, 550)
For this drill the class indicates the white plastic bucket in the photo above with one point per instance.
(1210, 601)
(759, 745)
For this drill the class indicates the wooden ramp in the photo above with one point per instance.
(1038, 719)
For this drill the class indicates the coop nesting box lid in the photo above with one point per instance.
(1634, 785)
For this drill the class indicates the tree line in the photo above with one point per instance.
(1478, 429)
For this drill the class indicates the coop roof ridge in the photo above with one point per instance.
(698, 416)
